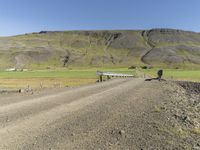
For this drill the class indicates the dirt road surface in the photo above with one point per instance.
(117, 114)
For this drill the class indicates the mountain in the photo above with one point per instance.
(156, 47)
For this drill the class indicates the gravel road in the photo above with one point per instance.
(109, 115)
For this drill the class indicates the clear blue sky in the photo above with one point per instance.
(24, 16)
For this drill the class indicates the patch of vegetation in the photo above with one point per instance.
(196, 131)
(144, 67)
(132, 67)
(184, 52)
(175, 131)
(157, 109)
(176, 74)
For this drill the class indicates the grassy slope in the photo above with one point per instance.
(96, 49)
(59, 44)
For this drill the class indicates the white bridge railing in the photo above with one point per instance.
(110, 74)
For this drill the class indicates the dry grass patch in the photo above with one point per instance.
(36, 83)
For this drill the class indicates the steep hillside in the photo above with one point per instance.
(172, 48)
(157, 47)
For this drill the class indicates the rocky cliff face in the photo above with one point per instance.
(172, 47)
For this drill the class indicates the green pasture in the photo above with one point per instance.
(81, 76)
(54, 78)
(176, 74)
(72, 73)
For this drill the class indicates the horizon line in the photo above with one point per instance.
(74, 30)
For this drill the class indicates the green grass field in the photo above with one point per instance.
(53, 78)
(80, 76)
(177, 74)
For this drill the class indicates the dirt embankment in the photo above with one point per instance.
(118, 114)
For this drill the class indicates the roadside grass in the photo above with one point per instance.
(46, 82)
(54, 78)
(176, 74)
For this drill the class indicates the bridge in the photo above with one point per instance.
(110, 74)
